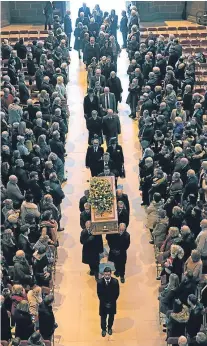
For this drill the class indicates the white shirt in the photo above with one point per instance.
(107, 282)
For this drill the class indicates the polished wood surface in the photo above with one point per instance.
(76, 302)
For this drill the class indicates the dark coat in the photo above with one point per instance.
(24, 244)
(46, 321)
(118, 245)
(92, 247)
(124, 198)
(56, 192)
(82, 201)
(117, 157)
(58, 148)
(8, 253)
(85, 10)
(186, 287)
(77, 34)
(115, 87)
(107, 294)
(124, 24)
(93, 158)
(67, 24)
(195, 321)
(22, 273)
(31, 67)
(21, 50)
(84, 216)
(12, 75)
(94, 127)
(48, 87)
(35, 189)
(22, 176)
(111, 127)
(24, 325)
(5, 324)
(102, 81)
(91, 52)
(191, 187)
(123, 217)
(90, 106)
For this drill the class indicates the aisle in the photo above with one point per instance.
(76, 305)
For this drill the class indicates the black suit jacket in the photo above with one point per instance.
(90, 106)
(83, 218)
(94, 79)
(124, 198)
(82, 201)
(119, 243)
(24, 244)
(111, 127)
(107, 294)
(93, 158)
(94, 127)
(91, 52)
(86, 11)
(117, 157)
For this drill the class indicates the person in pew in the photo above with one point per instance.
(47, 324)
(21, 49)
(24, 243)
(23, 90)
(41, 270)
(36, 339)
(22, 271)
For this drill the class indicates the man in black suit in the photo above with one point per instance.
(82, 19)
(118, 244)
(91, 50)
(48, 12)
(120, 196)
(92, 247)
(90, 103)
(83, 200)
(93, 156)
(111, 126)
(105, 162)
(123, 214)
(24, 243)
(117, 157)
(85, 215)
(98, 78)
(68, 26)
(57, 146)
(108, 293)
(94, 126)
(85, 10)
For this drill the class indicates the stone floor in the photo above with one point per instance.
(76, 306)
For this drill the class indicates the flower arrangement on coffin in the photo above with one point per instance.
(101, 195)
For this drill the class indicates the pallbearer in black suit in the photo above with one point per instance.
(117, 157)
(108, 293)
(118, 244)
(83, 200)
(92, 247)
(85, 215)
(93, 157)
(123, 214)
(121, 196)
(94, 126)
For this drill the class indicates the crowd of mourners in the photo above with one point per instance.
(172, 122)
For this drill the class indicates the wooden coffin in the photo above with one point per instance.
(106, 223)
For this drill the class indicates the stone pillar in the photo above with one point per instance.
(5, 13)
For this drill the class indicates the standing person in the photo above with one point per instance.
(111, 126)
(91, 50)
(94, 126)
(92, 247)
(68, 27)
(107, 101)
(85, 9)
(90, 104)
(48, 12)
(124, 28)
(93, 156)
(118, 244)
(108, 293)
(115, 87)
(113, 20)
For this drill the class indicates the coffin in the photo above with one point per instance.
(107, 223)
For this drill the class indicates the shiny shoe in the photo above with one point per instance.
(151, 242)
(110, 331)
(103, 333)
(116, 274)
(122, 280)
(91, 273)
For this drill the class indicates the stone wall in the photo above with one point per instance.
(160, 10)
(27, 12)
(5, 13)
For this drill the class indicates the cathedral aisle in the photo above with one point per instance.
(76, 302)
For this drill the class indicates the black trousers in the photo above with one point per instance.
(124, 36)
(120, 267)
(69, 39)
(48, 22)
(94, 267)
(104, 321)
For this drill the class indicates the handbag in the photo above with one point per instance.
(123, 173)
